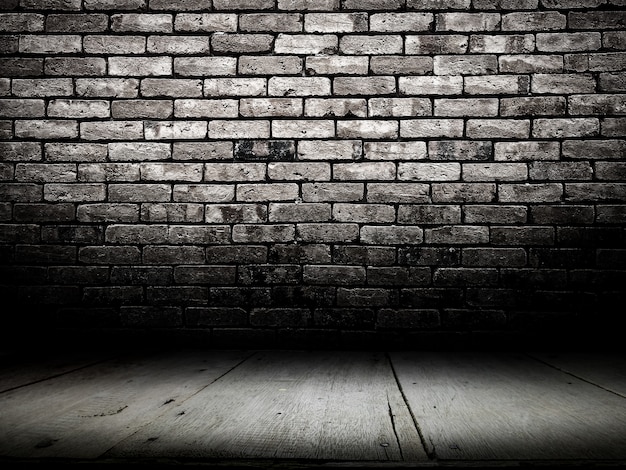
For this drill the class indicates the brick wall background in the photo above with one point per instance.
(410, 173)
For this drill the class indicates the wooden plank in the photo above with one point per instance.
(605, 369)
(18, 371)
(287, 405)
(481, 406)
(84, 413)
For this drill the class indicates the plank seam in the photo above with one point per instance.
(432, 455)
(393, 426)
(576, 376)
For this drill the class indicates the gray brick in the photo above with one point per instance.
(21, 108)
(334, 275)
(102, 44)
(423, 128)
(205, 66)
(217, 150)
(528, 63)
(146, 109)
(327, 232)
(172, 212)
(46, 129)
(96, 172)
(21, 22)
(21, 67)
(463, 192)
(364, 171)
(597, 104)
(267, 192)
(206, 22)
(460, 150)
(533, 106)
(436, 44)
(534, 21)
(310, 44)
(329, 150)
(398, 192)
(76, 66)
(310, 129)
(77, 23)
(395, 150)
(79, 108)
(371, 45)
(298, 86)
(594, 149)
(141, 22)
(326, 107)
(396, 107)
(429, 214)
(299, 171)
(263, 233)
(364, 213)
(178, 5)
(335, 22)
(465, 65)
(50, 4)
(235, 87)
(371, 129)
(596, 19)
(266, 107)
(242, 43)
(178, 45)
(438, 4)
(498, 128)
(141, 151)
(537, 192)
(115, 4)
(498, 44)
(364, 85)
(429, 171)
(236, 214)
(111, 130)
(140, 66)
(360, 297)
(401, 65)
(299, 212)
(244, 4)
(498, 84)
(526, 151)
(271, 22)
(467, 21)
(495, 172)
(337, 65)
(191, 108)
(222, 172)
(478, 214)
(391, 235)
(447, 85)
(203, 193)
(466, 107)
(568, 42)
(111, 213)
(264, 65)
(107, 87)
(400, 22)
(613, 127)
(572, 127)
(239, 129)
(308, 5)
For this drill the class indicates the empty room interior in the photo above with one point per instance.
(313, 234)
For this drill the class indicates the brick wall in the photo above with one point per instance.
(324, 172)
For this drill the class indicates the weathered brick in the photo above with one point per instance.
(264, 65)
(596, 19)
(613, 127)
(364, 171)
(595, 62)
(244, 4)
(77, 192)
(205, 66)
(332, 192)
(467, 22)
(595, 192)
(140, 66)
(177, 45)
(270, 22)
(429, 171)
(561, 214)
(466, 107)
(527, 63)
(506, 214)
(460, 150)
(128, 151)
(335, 22)
(310, 44)
(563, 83)
(526, 150)
(498, 128)
(203, 193)
(77, 23)
(45, 172)
(337, 65)
(172, 212)
(21, 67)
(308, 5)
(109, 255)
(594, 149)
(299, 171)
(306, 129)
(497, 84)
(465, 65)
(179, 5)
(391, 235)
(534, 21)
(533, 106)
(395, 151)
(327, 232)
(334, 275)
(423, 128)
(300, 212)
(114, 44)
(329, 150)
(241, 43)
(372, 4)
(398, 192)
(217, 150)
(371, 129)
(429, 214)
(568, 42)
(267, 192)
(79, 108)
(263, 233)
(438, 4)
(436, 44)
(46, 129)
(239, 129)
(370, 45)
(509, 44)
(107, 87)
(280, 317)
(364, 213)
(398, 107)
(401, 65)
(206, 108)
(264, 150)
(401, 22)
(447, 85)
(142, 22)
(238, 171)
(21, 22)
(327, 107)
(147, 109)
(605, 104)
(495, 172)
(298, 86)
(536, 192)
(365, 297)
(235, 87)
(143, 192)
(506, 4)
(572, 127)
(50, 4)
(463, 192)
(22, 108)
(111, 130)
(76, 66)
(236, 213)
(457, 234)
(615, 40)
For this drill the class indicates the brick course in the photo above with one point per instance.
(375, 165)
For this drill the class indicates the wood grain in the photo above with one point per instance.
(481, 406)
(294, 405)
(84, 413)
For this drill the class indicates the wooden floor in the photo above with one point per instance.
(314, 409)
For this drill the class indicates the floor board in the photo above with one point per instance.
(481, 406)
(299, 405)
(607, 370)
(84, 413)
